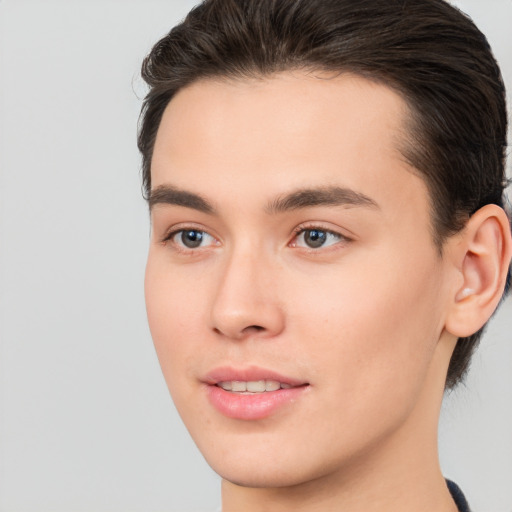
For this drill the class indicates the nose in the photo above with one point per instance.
(246, 303)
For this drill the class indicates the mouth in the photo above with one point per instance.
(252, 386)
(252, 394)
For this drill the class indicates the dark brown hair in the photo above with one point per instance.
(426, 50)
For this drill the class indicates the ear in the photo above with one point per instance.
(482, 257)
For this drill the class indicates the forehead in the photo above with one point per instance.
(292, 110)
(293, 129)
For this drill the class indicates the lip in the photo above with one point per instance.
(251, 407)
(252, 373)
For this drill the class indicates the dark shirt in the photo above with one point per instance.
(458, 497)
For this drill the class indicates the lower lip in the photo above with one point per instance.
(254, 406)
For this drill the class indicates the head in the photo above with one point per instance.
(252, 108)
(456, 131)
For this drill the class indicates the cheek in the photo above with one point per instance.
(372, 329)
(174, 312)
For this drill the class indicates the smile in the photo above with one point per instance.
(253, 386)
(252, 393)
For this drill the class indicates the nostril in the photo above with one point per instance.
(245, 330)
(256, 328)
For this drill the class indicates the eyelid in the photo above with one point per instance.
(174, 230)
(183, 226)
(309, 226)
(171, 232)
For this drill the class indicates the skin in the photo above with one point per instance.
(361, 319)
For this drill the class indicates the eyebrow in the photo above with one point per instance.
(324, 196)
(167, 194)
(296, 200)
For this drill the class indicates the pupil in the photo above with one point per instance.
(192, 238)
(315, 237)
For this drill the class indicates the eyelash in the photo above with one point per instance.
(300, 230)
(303, 229)
(182, 249)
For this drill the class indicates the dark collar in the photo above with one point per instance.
(458, 497)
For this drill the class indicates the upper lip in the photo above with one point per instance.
(250, 373)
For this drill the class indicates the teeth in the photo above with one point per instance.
(252, 386)
(272, 385)
(257, 386)
(238, 385)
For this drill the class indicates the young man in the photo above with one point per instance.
(326, 181)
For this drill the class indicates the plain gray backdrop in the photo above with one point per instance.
(86, 423)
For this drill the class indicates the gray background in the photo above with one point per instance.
(86, 423)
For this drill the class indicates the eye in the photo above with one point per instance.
(315, 238)
(191, 238)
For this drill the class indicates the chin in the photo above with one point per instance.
(276, 468)
(262, 478)
(252, 471)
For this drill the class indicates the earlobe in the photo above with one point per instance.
(483, 259)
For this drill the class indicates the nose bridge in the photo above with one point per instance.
(246, 302)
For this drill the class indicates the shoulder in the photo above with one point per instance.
(458, 496)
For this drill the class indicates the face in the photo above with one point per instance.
(294, 293)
